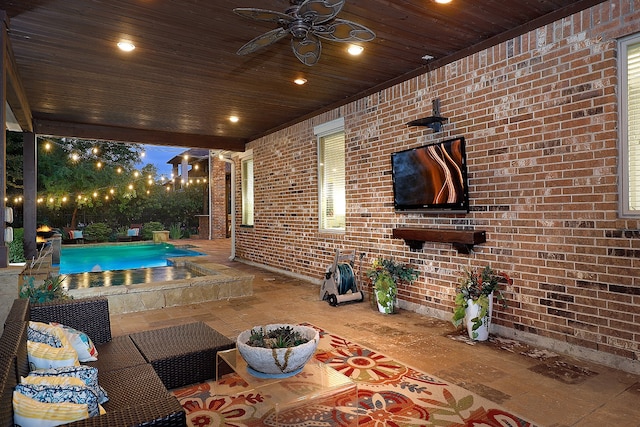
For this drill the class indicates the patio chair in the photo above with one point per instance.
(72, 236)
(135, 232)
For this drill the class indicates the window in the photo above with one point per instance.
(629, 67)
(247, 191)
(331, 171)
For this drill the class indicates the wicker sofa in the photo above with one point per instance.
(137, 395)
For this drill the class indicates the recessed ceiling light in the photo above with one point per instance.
(355, 49)
(126, 46)
(300, 81)
(233, 119)
(443, 1)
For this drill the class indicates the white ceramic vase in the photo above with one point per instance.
(471, 312)
(388, 308)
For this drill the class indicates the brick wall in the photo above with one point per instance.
(539, 113)
(218, 184)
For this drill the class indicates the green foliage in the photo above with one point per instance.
(97, 231)
(281, 337)
(149, 228)
(16, 248)
(386, 291)
(478, 287)
(59, 175)
(14, 163)
(399, 272)
(175, 231)
(51, 289)
(385, 274)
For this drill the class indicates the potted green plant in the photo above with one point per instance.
(474, 300)
(385, 275)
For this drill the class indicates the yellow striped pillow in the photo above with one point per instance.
(28, 412)
(52, 380)
(43, 356)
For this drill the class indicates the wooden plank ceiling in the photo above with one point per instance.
(184, 79)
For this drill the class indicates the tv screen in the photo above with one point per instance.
(431, 178)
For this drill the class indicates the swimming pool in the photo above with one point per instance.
(90, 258)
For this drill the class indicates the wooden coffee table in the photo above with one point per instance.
(315, 383)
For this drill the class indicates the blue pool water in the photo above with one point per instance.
(89, 258)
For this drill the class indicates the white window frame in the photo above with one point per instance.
(247, 190)
(629, 174)
(322, 131)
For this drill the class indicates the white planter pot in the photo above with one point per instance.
(280, 362)
(387, 309)
(471, 312)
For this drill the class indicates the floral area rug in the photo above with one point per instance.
(390, 394)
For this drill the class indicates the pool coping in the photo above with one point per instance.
(219, 282)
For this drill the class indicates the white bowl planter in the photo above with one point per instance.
(281, 362)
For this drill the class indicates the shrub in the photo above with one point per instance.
(16, 248)
(149, 228)
(175, 231)
(97, 231)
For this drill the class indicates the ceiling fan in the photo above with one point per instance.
(307, 21)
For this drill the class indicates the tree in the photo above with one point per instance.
(15, 164)
(77, 173)
(123, 195)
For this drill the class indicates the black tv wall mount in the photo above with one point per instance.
(434, 122)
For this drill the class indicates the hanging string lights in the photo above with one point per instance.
(107, 193)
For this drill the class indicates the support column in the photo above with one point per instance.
(217, 181)
(4, 40)
(30, 153)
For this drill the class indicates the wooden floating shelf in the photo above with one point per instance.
(462, 240)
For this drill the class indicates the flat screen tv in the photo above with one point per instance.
(431, 178)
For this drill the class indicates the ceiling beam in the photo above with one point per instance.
(16, 96)
(131, 135)
(113, 133)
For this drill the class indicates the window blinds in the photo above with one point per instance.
(332, 181)
(247, 192)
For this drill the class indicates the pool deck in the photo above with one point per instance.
(218, 282)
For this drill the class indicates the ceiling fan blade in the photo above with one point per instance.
(262, 14)
(307, 50)
(263, 40)
(341, 30)
(320, 11)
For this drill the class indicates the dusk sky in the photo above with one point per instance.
(159, 156)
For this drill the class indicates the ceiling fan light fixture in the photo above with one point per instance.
(306, 21)
(126, 46)
(355, 49)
